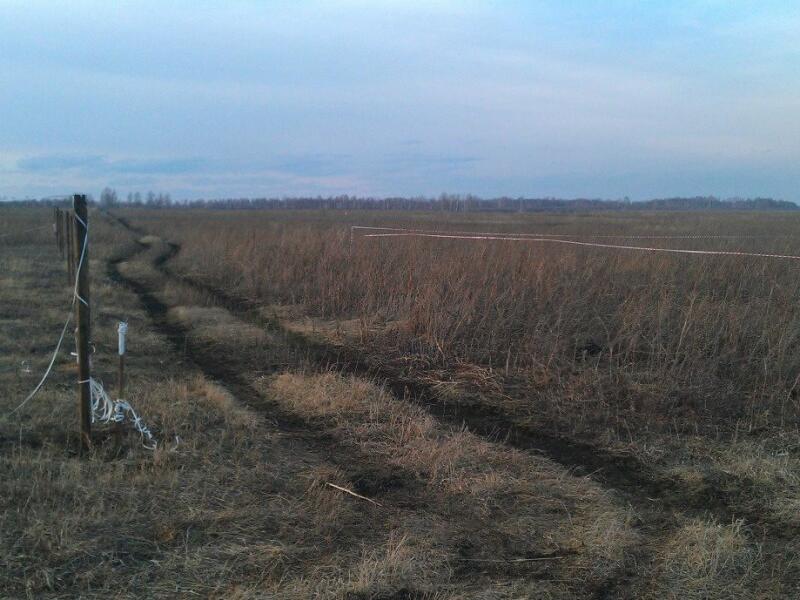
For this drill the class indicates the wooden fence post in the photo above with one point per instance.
(82, 318)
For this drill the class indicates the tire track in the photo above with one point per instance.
(622, 475)
(629, 477)
(661, 504)
(396, 489)
(222, 371)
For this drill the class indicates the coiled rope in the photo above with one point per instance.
(106, 410)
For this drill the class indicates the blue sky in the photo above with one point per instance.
(253, 98)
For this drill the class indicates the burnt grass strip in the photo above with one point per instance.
(393, 486)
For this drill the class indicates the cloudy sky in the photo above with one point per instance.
(602, 98)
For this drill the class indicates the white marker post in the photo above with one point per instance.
(122, 331)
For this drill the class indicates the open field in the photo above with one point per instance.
(518, 419)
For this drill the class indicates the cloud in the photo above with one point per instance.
(100, 165)
(155, 166)
(428, 163)
(314, 165)
(399, 97)
(51, 163)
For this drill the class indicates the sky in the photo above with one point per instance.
(248, 98)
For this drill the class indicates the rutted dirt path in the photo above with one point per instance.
(637, 483)
(657, 515)
(661, 504)
(222, 371)
(623, 473)
(395, 489)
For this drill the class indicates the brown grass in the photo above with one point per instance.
(688, 364)
(659, 359)
(650, 336)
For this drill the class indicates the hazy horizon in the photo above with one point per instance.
(533, 99)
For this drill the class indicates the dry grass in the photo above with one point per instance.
(704, 560)
(466, 505)
(227, 507)
(518, 493)
(236, 504)
(688, 364)
(648, 336)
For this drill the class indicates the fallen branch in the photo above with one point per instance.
(352, 493)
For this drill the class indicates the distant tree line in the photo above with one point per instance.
(108, 198)
(469, 203)
(444, 203)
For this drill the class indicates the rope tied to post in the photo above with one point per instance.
(102, 407)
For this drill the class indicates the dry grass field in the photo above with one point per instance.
(342, 416)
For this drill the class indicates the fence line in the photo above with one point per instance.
(587, 244)
(102, 408)
(75, 297)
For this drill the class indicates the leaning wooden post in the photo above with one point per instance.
(82, 318)
(62, 233)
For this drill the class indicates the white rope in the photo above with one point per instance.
(106, 410)
(560, 235)
(75, 296)
(49, 367)
(588, 244)
(80, 262)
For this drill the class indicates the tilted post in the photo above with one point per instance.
(82, 318)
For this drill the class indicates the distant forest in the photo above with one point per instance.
(445, 202)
